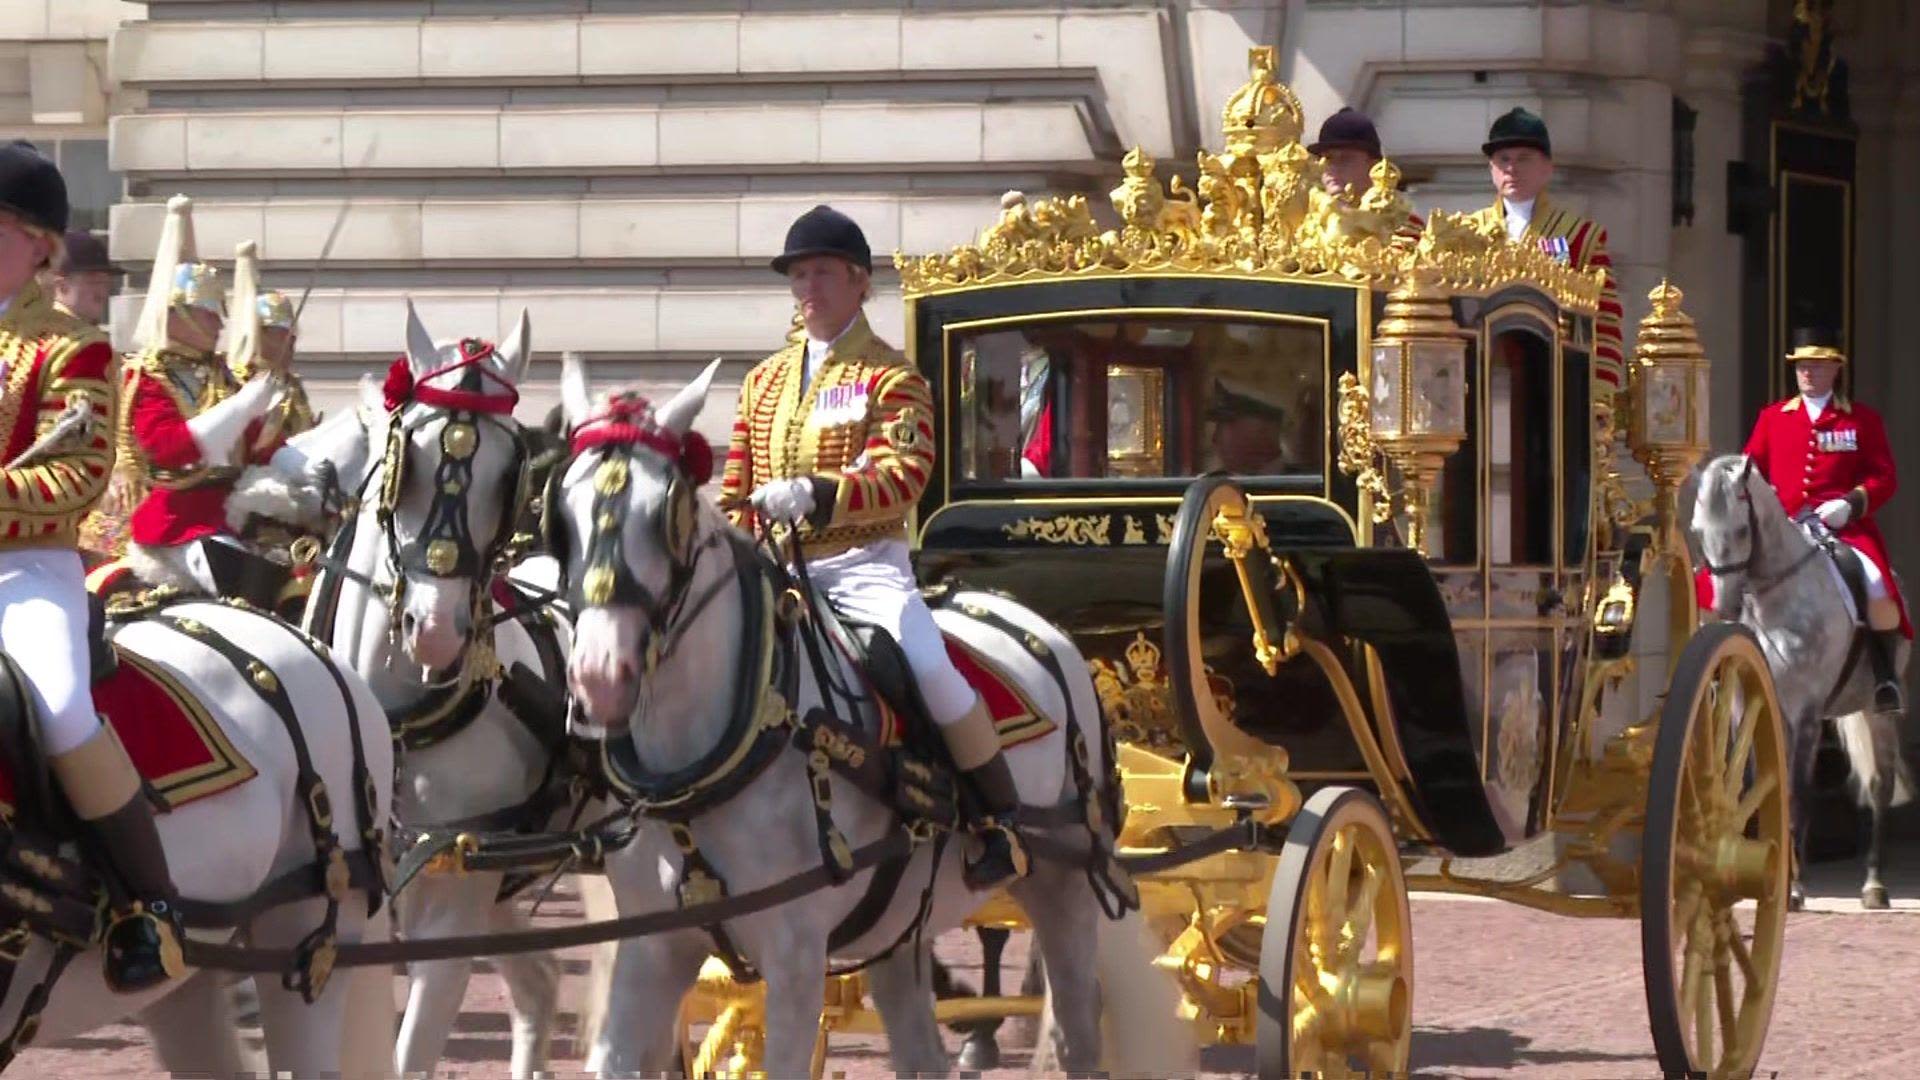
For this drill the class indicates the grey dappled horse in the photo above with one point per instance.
(1767, 576)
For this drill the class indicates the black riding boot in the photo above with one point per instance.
(1882, 647)
(143, 935)
(1002, 857)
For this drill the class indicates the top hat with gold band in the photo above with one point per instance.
(179, 278)
(1816, 343)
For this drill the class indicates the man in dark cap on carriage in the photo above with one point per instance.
(83, 277)
(57, 398)
(1520, 160)
(1350, 147)
(1829, 456)
(834, 436)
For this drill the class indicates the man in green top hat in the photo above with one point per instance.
(1520, 161)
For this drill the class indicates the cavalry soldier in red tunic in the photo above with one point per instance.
(1825, 454)
(185, 419)
(835, 436)
(56, 407)
(1520, 160)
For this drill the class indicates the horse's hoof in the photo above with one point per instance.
(1796, 900)
(1874, 898)
(979, 1053)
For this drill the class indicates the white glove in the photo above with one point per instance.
(217, 430)
(1836, 513)
(788, 500)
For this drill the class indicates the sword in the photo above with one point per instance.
(77, 417)
(333, 234)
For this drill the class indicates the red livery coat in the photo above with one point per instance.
(185, 497)
(1811, 461)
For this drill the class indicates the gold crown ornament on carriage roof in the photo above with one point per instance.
(1257, 210)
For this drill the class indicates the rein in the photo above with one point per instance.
(1758, 585)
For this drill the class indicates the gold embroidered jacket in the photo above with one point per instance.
(1582, 244)
(862, 430)
(50, 361)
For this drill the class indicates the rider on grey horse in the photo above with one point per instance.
(835, 436)
(1825, 454)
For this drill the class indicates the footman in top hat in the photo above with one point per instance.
(57, 377)
(834, 437)
(1520, 159)
(1825, 454)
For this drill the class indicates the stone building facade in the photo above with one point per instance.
(57, 91)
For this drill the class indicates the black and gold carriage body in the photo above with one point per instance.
(1068, 494)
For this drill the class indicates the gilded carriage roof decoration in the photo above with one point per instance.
(1256, 209)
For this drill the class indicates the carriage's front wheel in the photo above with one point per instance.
(1717, 836)
(1336, 958)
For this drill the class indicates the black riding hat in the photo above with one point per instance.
(1518, 127)
(32, 187)
(1348, 129)
(84, 253)
(825, 231)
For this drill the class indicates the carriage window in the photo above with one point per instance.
(1520, 451)
(1142, 397)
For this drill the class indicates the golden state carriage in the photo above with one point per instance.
(1335, 515)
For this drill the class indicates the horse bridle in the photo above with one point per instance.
(619, 432)
(445, 546)
(1757, 586)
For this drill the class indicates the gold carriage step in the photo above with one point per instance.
(174, 742)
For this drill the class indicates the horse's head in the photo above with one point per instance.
(451, 481)
(624, 520)
(1733, 504)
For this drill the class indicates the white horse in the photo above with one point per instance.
(657, 666)
(423, 666)
(1767, 574)
(263, 834)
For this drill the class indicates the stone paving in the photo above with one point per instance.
(1499, 991)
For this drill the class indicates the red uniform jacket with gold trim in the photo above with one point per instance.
(1582, 244)
(1843, 453)
(49, 359)
(862, 430)
(182, 498)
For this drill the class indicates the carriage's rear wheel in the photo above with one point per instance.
(1336, 971)
(1717, 835)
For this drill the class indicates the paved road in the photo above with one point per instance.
(1500, 991)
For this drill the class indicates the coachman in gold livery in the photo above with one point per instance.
(56, 413)
(835, 437)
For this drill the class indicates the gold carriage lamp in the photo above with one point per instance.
(1419, 390)
(1667, 397)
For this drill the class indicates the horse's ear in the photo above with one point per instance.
(372, 398)
(576, 398)
(679, 414)
(516, 352)
(422, 354)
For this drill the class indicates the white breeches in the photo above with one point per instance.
(43, 627)
(875, 584)
(1876, 581)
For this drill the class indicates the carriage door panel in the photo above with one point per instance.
(1521, 474)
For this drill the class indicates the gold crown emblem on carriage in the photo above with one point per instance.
(1256, 209)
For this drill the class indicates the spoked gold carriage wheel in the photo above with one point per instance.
(1717, 835)
(1336, 971)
